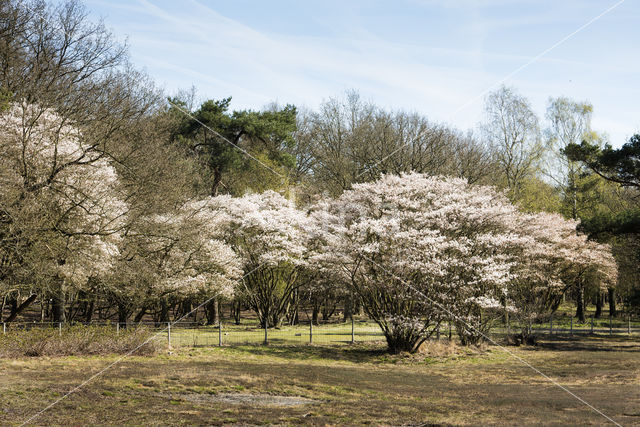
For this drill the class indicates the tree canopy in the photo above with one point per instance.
(620, 165)
(235, 143)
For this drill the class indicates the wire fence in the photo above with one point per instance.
(192, 334)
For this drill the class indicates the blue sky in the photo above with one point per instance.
(436, 57)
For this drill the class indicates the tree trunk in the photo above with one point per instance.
(13, 306)
(164, 311)
(398, 342)
(57, 306)
(293, 314)
(328, 308)
(580, 304)
(237, 309)
(358, 307)
(20, 308)
(348, 309)
(505, 312)
(217, 179)
(140, 315)
(612, 302)
(213, 312)
(91, 306)
(185, 309)
(71, 306)
(4, 302)
(599, 304)
(276, 319)
(123, 314)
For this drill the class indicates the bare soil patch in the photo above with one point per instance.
(252, 399)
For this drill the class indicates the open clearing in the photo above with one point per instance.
(358, 384)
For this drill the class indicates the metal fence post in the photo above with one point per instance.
(4, 328)
(629, 325)
(117, 328)
(311, 332)
(266, 333)
(219, 332)
(610, 326)
(571, 330)
(551, 325)
(60, 328)
(353, 335)
(592, 324)
(169, 333)
(449, 331)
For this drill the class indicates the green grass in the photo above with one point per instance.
(350, 384)
(364, 332)
(339, 333)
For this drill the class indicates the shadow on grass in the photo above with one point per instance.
(359, 353)
(591, 343)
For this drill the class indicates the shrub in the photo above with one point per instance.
(75, 341)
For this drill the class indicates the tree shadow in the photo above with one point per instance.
(587, 343)
(357, 353)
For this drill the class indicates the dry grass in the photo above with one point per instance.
(75, 341)
(351, 385)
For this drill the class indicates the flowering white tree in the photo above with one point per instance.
(178, 254)
(270, 236)
(61, 202)
(419, 250)
(70, 104)
(64, 222)
(550, 258)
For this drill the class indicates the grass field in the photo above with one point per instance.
(342, 384)
(185, 335)
(248, 333)
(363, 332)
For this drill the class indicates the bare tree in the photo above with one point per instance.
(353, 141)
(64, 79)
(512, 129)
(569, 123)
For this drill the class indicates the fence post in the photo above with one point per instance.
(311, 332)
(219, 332)
(509, 325)
(551, 325)
(629, 325)
(571, 330)
(266, 334)
(117, 328)
(353, 335)
(169, 333)
(4, 328)
(449, 330)
(592, 324)
(60, 328)
(610, 326)
(438, 332)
